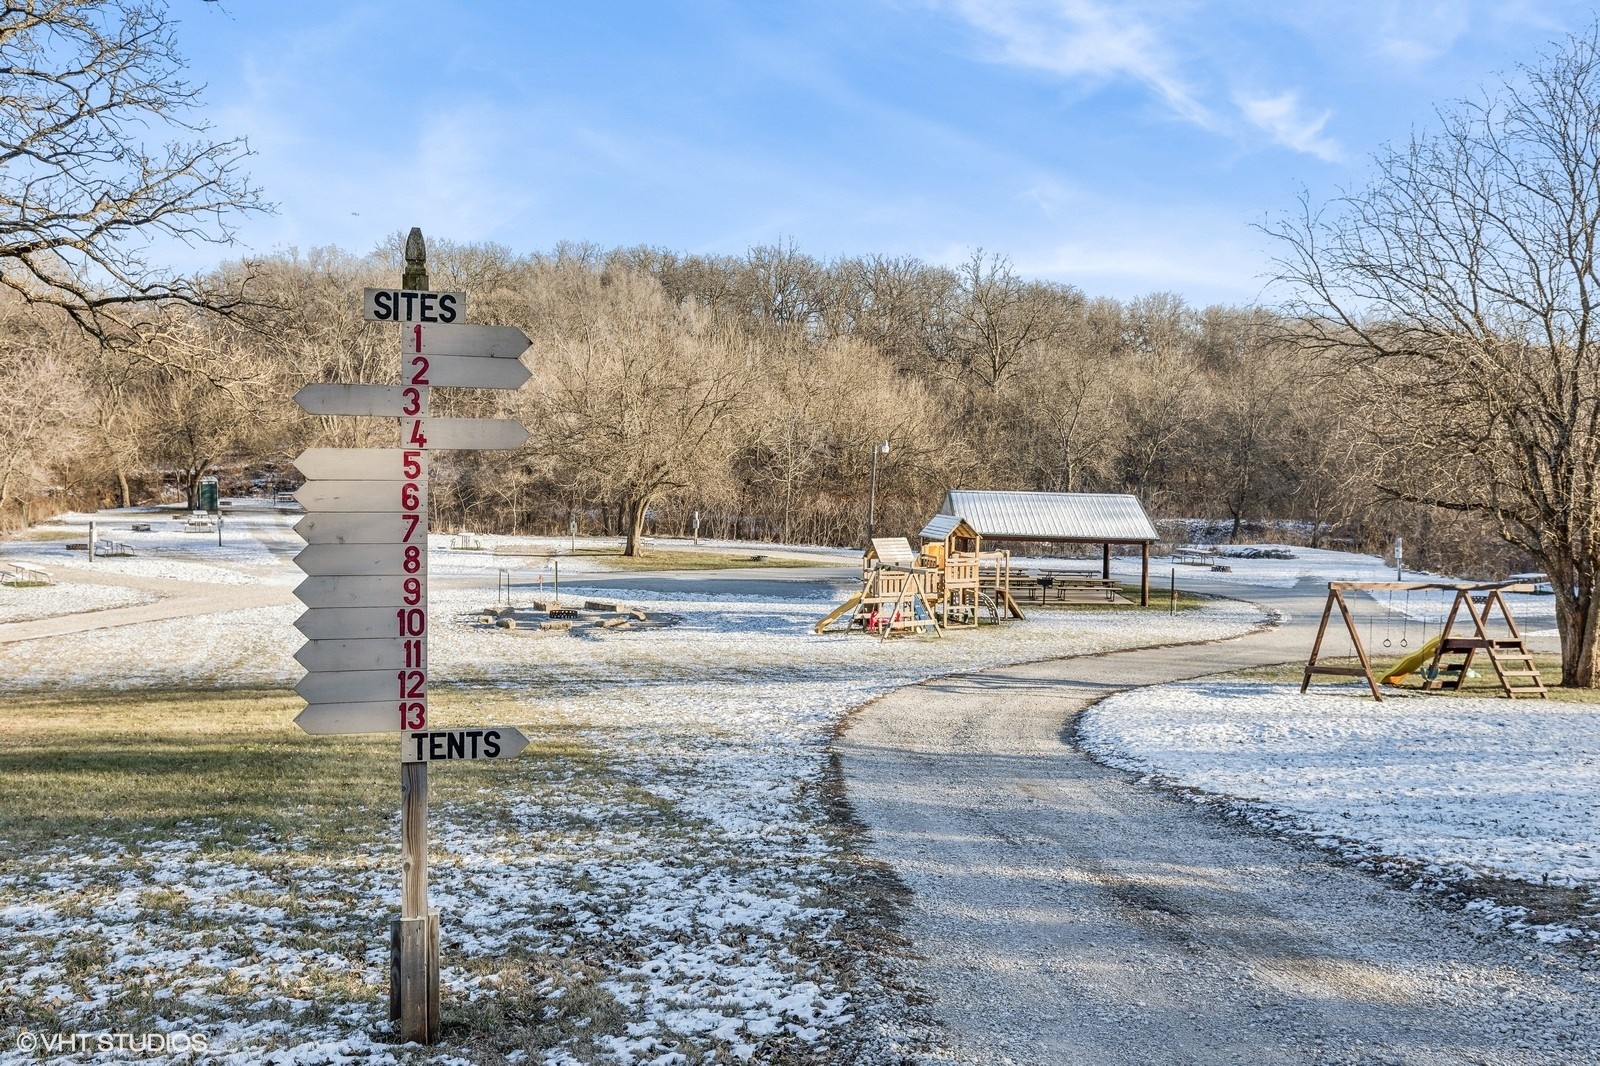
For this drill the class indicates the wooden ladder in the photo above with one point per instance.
(1513, 663)
(1514, 653)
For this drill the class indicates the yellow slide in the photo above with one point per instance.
(843, 609)
(1410, 663)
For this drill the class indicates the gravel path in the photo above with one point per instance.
(1062, 913)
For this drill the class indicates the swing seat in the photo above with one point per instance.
(1402, 669)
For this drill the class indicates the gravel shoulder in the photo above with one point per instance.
(1059, 911)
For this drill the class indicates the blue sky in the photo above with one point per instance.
(1124, 147)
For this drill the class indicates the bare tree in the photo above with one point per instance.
(82, 192)
(37, 428)
(637, 397)
(1463, 284)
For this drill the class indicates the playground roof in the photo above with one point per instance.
(941, 526)
(1096, 518)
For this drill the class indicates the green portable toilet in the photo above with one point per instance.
(208, 494)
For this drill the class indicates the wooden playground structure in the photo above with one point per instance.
(1450, 654)
(950, 584)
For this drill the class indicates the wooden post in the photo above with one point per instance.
(1144, 574)
(416, 970)
(1105, 561)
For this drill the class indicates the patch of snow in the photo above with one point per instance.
(64, 597)
(1461, 787)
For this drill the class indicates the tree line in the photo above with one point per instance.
(750, 390)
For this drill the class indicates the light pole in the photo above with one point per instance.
(872, 488)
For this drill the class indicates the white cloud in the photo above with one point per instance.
(1082, 38)
(1097, 40)
(1282, 117)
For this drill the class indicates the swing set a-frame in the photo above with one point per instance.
(1454, 653)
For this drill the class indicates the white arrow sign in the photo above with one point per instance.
(371, 654)
(463, 371)
(351, 686)
(349, 623)
(365, 717)
(360, 560)
(473, 434)
(483, 342)
(362, 464)
(412, 305)
(340, 591)
(372, 527)
(486, 742)
(376, 400)
(346, 496)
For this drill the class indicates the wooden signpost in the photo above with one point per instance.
(366, 586)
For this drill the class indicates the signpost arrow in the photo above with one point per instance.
(463, 371)
(473, 434)
(348, 496)
(339, 399)
(351, 623)
(356, 464)
(372, 527)
(483, 342)
(485, 742)
(364, 717)
(387, 591)
(352, 686)
(359, 560)
(375, 653)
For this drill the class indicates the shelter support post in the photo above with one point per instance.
(1105, 561)
(1144, 573)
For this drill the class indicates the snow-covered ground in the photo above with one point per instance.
(1453, 789)
(22, 604)
(1535, 615)
(689, 868)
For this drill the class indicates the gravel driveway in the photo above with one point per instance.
(1060, 912)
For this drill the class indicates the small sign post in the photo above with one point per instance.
(366, 586)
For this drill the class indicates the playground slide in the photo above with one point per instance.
(1411, 662)
(844, 608)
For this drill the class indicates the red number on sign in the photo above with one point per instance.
(412, 522)
(417, 436)
(411, 683)
(411, 464)
(413, 561)
(412, 587)
(410, 496)
(413, 622)
(413, 401)
(417, 332)
(413, 653)
(419, 370)
(413, 716)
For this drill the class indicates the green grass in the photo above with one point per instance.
(1485, 684)
(689, 559)
(130, 765)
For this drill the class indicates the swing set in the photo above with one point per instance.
(1452, 652)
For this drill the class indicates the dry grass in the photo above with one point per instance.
(691, 559)
(1485, 684)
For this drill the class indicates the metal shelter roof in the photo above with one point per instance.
(1096, 518)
